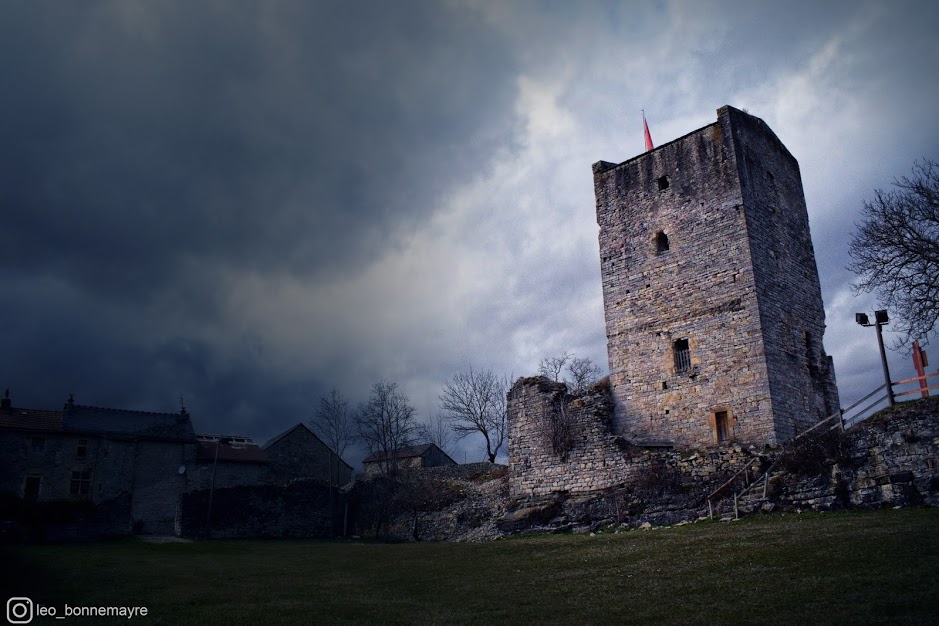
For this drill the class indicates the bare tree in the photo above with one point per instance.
(474, 401)
(333, 423)
(438, 431)
(895, 251)
(551, 367)
(583, 374)
(386, 422)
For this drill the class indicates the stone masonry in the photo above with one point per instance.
(593, 457)
(711, 294)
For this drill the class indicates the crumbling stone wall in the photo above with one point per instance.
(705, 249)
(595, 457)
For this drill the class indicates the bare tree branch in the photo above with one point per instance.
(474, 401)
(386, 422)
(438, 431)
(332, 422)
(551, 367)
(583, 374)
(895, 252)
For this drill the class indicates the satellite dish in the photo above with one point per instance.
(182, 469)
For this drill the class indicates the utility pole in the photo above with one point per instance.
(208, 515)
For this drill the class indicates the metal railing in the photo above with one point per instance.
(843, 419)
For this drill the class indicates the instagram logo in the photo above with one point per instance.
(19, 610)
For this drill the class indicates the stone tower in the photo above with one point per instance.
(713, 307)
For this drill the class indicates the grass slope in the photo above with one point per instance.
(859, 567)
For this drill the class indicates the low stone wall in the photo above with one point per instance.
(299, 509)
(467, 470)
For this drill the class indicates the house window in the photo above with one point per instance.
(82, 450)
(663, 183)
(661, 243)
(31, 487)
(81, 482)
(38, 444)
(682, 355)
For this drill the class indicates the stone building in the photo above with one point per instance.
(711, 294)
(410, 457)
(99, 455)
(122, 471)
(299, 453)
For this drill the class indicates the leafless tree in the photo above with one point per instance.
(474, 402)
(583, 374)
(895, 252)
(438, 431)
(333, 423)
(551, 367)
(386, 422)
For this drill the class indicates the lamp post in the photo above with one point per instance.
(880, 318)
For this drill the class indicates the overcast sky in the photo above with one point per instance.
(248, 203)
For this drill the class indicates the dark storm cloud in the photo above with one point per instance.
(287, 137)
(151, 152)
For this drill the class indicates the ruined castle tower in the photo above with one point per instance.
(713, 306)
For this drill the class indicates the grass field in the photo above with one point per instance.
(857, 567)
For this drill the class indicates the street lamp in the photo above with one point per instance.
(880, 318)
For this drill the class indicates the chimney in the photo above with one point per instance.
(5, 402)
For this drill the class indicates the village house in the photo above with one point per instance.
(410, 457)
(133, 467)
(299, 453)
(99, 455)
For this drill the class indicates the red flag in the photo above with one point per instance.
(645, 127)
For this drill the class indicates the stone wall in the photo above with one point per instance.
(299, 509)
(704, 242)
(593, 457)
(889, 460)
(228, 474)
(792, 319)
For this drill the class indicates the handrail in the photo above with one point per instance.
(884, 386)
(844, 422)
(729, 481)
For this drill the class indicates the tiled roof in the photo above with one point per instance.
(401, 453)
(94, 419)
(31, 419)
(250, 453)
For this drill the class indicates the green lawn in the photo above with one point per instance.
(858, 567)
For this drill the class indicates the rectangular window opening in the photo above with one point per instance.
(682, 355)
(81, 482)
(663, 183)
(82, 450)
